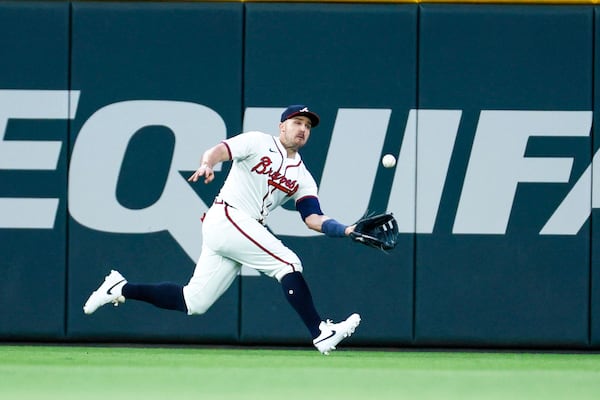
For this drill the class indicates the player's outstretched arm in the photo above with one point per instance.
(315, 222)
(310, 211)
(210, 158)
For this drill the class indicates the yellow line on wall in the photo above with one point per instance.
(564, 2)
(531, 2)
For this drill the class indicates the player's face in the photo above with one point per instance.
(294, 133)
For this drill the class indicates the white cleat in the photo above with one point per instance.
(332, 334)
(108, 292)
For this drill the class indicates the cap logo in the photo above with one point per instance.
(300, 109)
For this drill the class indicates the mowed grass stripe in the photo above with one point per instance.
(75, 372)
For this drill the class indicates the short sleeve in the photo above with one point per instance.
(242, 146)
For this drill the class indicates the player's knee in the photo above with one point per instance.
(197, 310)
(197, 303)
(198, 306)
(285, 270)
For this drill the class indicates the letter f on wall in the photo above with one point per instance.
(497, 164)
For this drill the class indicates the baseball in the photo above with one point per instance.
(388, 161)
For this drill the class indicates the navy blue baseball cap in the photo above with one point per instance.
(300, 109)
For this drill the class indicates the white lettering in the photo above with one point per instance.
(497, 164)
(422, 168)
(31, 155)
(96, 163)
(352, 162)
(576, 208)
(496, 167)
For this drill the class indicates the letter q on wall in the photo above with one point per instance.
(98, 154)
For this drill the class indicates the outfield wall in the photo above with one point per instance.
(107, 107)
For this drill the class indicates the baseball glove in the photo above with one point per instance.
(377, 231)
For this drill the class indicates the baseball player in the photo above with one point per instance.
(266, 172)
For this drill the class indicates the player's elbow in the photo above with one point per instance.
(314, 222)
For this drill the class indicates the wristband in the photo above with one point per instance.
(332, 228)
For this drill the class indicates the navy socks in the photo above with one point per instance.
(297, 293)
(162, 295)
(170, 296)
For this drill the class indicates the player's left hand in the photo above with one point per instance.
(204, 170)
(349, 229)
(378, 231)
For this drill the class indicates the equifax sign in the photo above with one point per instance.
(497, 164)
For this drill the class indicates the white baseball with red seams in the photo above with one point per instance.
(262, 177)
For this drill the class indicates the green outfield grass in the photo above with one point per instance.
(143, 373)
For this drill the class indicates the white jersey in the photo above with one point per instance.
(262, 177)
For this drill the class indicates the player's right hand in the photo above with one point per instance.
(206, 171)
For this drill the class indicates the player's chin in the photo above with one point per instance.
(300, 141)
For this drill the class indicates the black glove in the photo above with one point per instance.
(378, 231)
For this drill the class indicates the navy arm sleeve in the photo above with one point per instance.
(307, 206)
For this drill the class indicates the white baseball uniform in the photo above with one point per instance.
(261, 178)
